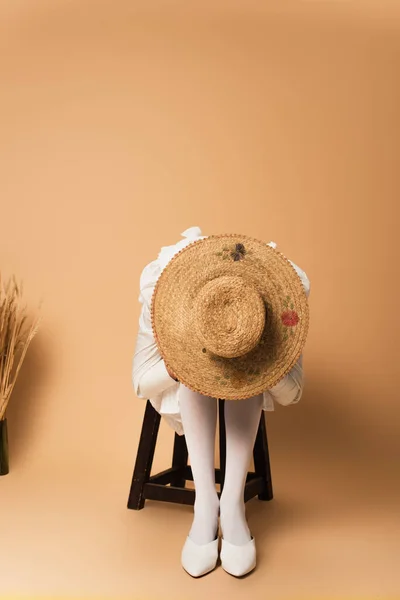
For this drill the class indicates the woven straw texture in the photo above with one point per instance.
(230, 316)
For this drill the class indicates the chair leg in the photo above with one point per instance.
(261, 460)
(222, 442)
(179, 459)
(144, 458)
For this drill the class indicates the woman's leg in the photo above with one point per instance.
(242, 418)
(199, 419)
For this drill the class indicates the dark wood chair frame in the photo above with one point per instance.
(170, 485)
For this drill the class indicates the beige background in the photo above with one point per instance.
(122, 124)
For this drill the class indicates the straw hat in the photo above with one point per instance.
(230, 316)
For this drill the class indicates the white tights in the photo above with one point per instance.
(199, 418)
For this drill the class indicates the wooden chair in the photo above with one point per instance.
(169, 485)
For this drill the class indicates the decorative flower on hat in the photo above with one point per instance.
(239, 252)
(290, 318)
(236, 253)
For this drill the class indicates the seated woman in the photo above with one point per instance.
(192, 412)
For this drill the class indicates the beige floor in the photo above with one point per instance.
(324, 535)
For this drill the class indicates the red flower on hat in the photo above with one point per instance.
(290, 318)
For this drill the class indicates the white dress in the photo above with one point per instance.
(151, 379)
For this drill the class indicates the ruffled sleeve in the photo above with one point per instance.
(167, 252)
(290, 389)
(304, 279)
(149, 374)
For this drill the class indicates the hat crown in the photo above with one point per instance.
(229, 316)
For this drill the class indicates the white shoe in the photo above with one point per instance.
(197, 560)
(238, 560)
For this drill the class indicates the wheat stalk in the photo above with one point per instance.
(15, 337)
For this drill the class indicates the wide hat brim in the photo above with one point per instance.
(284, 333)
